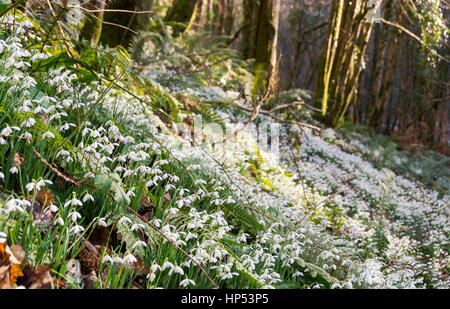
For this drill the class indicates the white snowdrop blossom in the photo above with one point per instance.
(139, 243)
(77, 229)
(59, 221)
(102, 222)
(185, 282)
(53, 208)
(2, 237)
(88, 197)
(74, 216)
(73, 202)
(28, 123)
(48, 134)
(129, 259)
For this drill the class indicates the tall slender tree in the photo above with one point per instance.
(121, 26)
(260, 38)
(349, 31)
(91, 28)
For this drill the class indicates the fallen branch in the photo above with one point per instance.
(296, 103)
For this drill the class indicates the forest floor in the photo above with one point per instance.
(99, 190)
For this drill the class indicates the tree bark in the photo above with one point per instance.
(91, 29)
(114, 35)
(266, 45)
(342, 58)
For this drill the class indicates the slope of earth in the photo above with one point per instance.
(81, 160)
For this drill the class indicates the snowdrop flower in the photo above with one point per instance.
(177, 270)
(180, 203)
(26, 135)
(6, 131)
(28, 123)
(53, 208)
(2, 176)
(102, 222)
(137, 226)
(167, 264)
(124, 219)
(62, 152)
(77, 229)
(74, 216)
(139, 243)
(66, 126)
(13, 170)
(31, 186)
(107, 259)
(15, 205)
(184, 283)
(155, 267)
(48, 134)
(190, 236)
(2, 237)
(151, 277)
(73, 202)
(57, 116)
(242, 237)
(38, 56)
(129, 259)
(59, 221)
(230, 200)
(199, 181)
(117, 260)
(88, 197)
(173, 211)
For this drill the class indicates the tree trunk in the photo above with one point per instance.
(266, 45)
(91, 28)
(181, 11)
(249, 29)
(117, 31)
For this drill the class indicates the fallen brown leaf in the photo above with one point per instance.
(45, 197)
(42, 279)
(18, 160)
(10, 265)
(43, 216)
(167, 198)
(139, 267)
(4, 277)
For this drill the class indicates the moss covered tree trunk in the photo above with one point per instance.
(259, 40)
(249, 29)
(122, 26)
(182, 12)
(342, 58)
(91, 28)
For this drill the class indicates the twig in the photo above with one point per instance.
(255, 112)
(300, 177)
(296, 103)
(114, 24)
(54, 170)
(112, 10)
